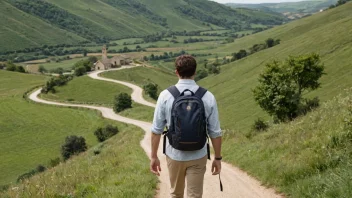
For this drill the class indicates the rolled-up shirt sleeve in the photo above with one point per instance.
(213, 121)
(159, 120)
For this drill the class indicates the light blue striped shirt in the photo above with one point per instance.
(162, 118)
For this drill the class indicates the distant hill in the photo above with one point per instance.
(33, 23)
(292, 10)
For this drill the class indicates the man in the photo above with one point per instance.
(186, 165)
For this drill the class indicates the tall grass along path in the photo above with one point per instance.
(236, 182)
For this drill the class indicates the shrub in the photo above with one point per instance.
(54, 162)
(42, 69)
(10, 66)
(40, 168)
(260, 125)
(201, 74)
(20, 69)
(122, 101)
(152, 90)
(80, 71)
(103, 134)
(73, 145)
(26, 176)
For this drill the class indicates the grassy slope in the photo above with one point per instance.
(90, 91)
(309, 157)
(326, 33)
(21, 30)
(120, 169)
(31, 134)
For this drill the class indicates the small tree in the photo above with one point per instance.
(93, 59)
(260, 125)
(270, 42)
(73, 145)
(122, 101)
(10, 66)
(80, 71)
(20, 69)
(152, 90)
(201, 74)
(281, 86)
(41, 69)
(103, 134)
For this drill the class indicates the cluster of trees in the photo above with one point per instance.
(122, 101)
(196, 40)
(152, 90)
(282, 85)
(164, 56)
(126, 50)
(84, 66)
(56, 81)
(12, 67)
(339, 3)
(61, 18)
(255, 48)
(105, 133)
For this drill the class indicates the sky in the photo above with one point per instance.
(254, 1)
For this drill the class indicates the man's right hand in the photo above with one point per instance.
(155, 166)
(216, 167)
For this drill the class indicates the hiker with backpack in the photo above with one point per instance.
(190, 115)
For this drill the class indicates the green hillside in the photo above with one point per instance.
(100, 21)
(304, 7)
(19, 30)
(31, 134)
(327, 33)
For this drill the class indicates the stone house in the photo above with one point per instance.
(109, 63)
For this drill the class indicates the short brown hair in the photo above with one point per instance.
(186, 66)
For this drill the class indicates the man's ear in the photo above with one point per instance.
(176, 72)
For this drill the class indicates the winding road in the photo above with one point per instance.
(237, 184)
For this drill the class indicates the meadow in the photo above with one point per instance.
(31, 134)
(118, 170)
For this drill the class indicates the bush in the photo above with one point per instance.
(26, 176)
(201, 74)
(40, 168)
(152, 90)
(260, 125)
(10, 66)
(73, 145)
(80, 71)
(122, 101)
(54, 162)
(42, 69)
(20, 69)
(103, 134)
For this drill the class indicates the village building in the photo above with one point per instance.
(108, 63)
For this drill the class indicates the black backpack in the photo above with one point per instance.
(188, 126)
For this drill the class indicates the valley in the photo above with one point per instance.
(307, 157)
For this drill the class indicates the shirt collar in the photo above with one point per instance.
(186, 82)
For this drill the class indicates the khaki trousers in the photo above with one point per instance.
(192, 171)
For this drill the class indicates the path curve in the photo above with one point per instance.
(236, 182)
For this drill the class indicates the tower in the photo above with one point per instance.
(104, 53)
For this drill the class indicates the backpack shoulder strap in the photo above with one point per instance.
(174, 91)
(200, 92)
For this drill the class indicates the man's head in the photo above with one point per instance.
(186, 67)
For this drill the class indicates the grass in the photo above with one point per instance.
(66, 64)
(119, 169)
(31, 134)
(20, 30)
(89, 91)
(324, 33)
(309, 157)
(143, 75)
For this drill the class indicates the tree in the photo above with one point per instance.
(85, 53)
(270, 42)
(10, 66)
(20, 69)
(80, 71)
(73, 145)
(122, 101)
(93, 59)
(152, 90)
(281, 86)
(103, 134)
(201, 74)
(42, 69)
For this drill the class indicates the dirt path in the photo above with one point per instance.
(236, 182)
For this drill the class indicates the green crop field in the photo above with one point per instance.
(32, 134)
(119, 169)
(66, 64)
